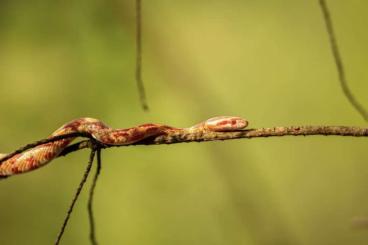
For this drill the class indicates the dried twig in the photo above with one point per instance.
(92, 235)
(76, 195)
(182, 137)
(338, 61)
(41, 142)
(247, 134)
(138, 40)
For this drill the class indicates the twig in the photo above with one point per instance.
(179, 137)
(182, 137)
(41, 142)
(92, 234)
(79, 189)
(138, 72)
(338, 61)
(247, 134)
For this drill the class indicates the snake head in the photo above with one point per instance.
(225, 123)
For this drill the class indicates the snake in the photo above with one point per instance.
(40, 155)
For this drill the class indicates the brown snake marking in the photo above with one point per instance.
(43, 154)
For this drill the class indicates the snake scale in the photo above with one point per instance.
(43, 154)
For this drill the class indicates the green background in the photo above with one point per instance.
(267, 61)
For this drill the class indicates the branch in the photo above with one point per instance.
(41, 142)
(138, 69)
(75, 198)
(184, 137)
(92, 229)
(338, 61)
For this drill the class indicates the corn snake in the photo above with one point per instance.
(43, 154)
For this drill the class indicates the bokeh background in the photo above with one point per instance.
(267, 61)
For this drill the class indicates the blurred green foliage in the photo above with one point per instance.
(268, 61)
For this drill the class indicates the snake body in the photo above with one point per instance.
(43, 154)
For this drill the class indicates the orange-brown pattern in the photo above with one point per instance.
(42, 154)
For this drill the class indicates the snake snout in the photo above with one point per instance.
(238, 123)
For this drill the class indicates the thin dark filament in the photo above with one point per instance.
(41, 142)
(338, 61)
(76, 195)
(138, 71)
(92, 234)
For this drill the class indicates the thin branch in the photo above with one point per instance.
(41, 142)
(184, 137)
(338, 61)
(138, 72)
(76, 195)
(181, 137)
(92, 234)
